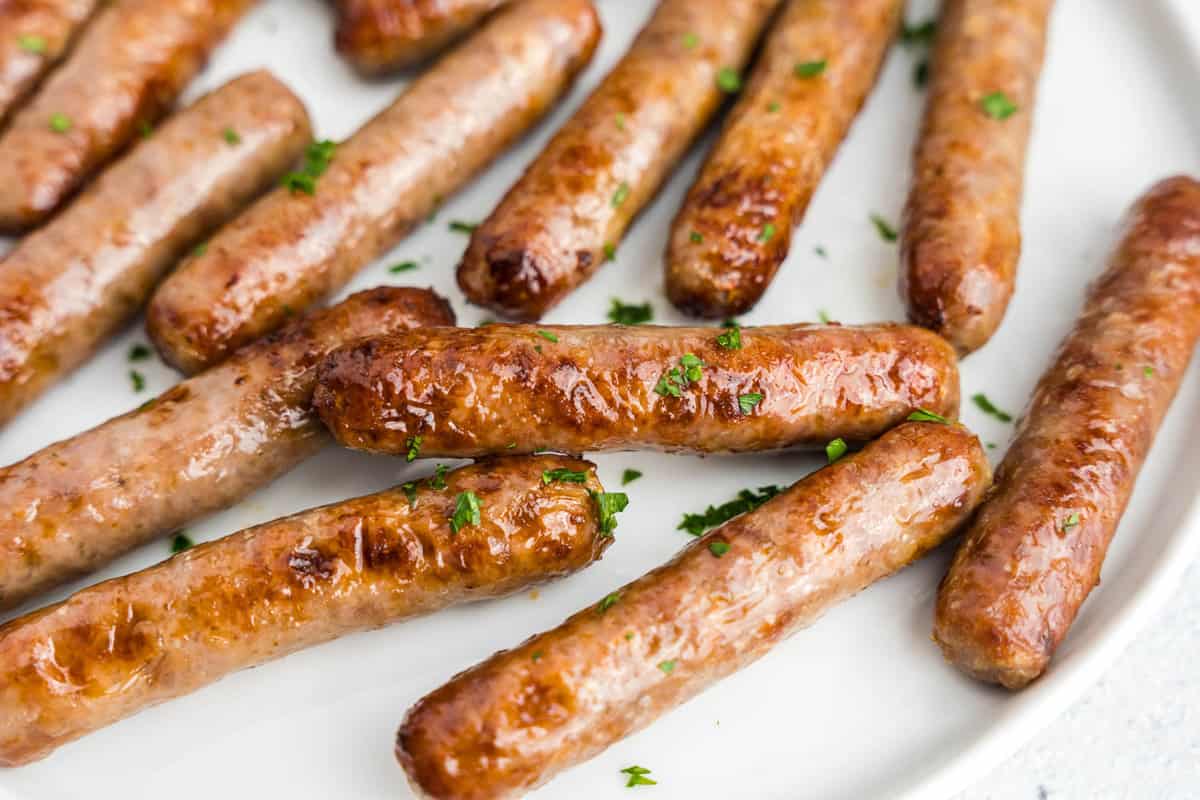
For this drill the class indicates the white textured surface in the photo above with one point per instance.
(1134, 735)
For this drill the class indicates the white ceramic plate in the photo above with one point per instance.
(859, 706)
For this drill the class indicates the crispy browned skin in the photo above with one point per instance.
(510, 388)
(200, 447)
(130, 65)
(1034, 553)
(127, 644)
(378, 36)
(34, 36)
(292, 249)
(551, 231)
(735, 227)
(516, 720)
(70, 285)
(961, 236)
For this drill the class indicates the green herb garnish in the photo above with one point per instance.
(731, 339)
(768, 233)
(630, 314)
(413, 443)
(728, 80)
(746, 500)
(466, 512)
(620, 195)
(718, 548)
(438, 481)
(667, 666)
(637, 776)
(997, 105)
(316, 161)
(747, 402)
(32, 43)
(695, 237)
(459, 226)
(917, 35)
(137, 379)
(231, 136)
(609, 504)
(139, 352)
(835, 449)
(608, 602)
(886, 231)
(809, 69)
(922, 415)
(563, 474)
(986, 406)
(610, 251)
(548, 336)
(690, 40)
(1071, 522)
(180, 542)
(629, 476)
(403, 266)
(60, 122)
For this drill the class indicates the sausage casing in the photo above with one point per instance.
(735, 227)
(568, 212)
(124, 645)
(1035, 551)
(378, 36)
(34, 36)
(70, 285)
(291, 249)
(129, 67)
(961, 235)
(514, 721)
(517, 388)
(200, 447)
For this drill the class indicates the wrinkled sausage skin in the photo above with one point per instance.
(735, 227)
(69, 286)
(292, 249)
(127, 644)
(379, 36)
(34, 36)
(513, 722)
(961, 235)
(1035, 551)
(510, 388)
(131, 64)
(200, 447)
(568, 212)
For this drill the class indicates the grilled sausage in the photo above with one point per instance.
(130, 65)
(568, 212)
(516, 388)
(513, 722)
(127, 644)
(961, 235)
(292, 249)
(735, 227)
(1035, 551)
(70, 285)
(34, 36)
(379, 36)
(200, 447)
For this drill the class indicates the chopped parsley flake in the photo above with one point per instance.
(139, 352)
(410, 491)
(886, 231)
(1071, 522)
(690, 40)
(695, 237)
(413, 443)
(629, 313)
(773, 106)
(466, 512)
(728, 80)
(459, 226)
(629, 476)
(809, 69)
(768, 233)
(565, 475)
(1148, 371)
(923, 415)
(981, 401)
(316, 161)
(747, 500)
(667, 666)
(620, 195)
(918, 35)
(620, 122)
(921, 73)
(747, 402)
(548, 336)
(438, 481)
(137, 379)
(835, 449)
(823, 315)
(60, 122)
(997, 105)
(231, 136)
(32, 43)
(819, 250)
(718, 548)
(731, 339)
(180, 542)
(609, 504)
(536, 655)
(608, 602)
(610, 251)
(637, 777)
(403, 266)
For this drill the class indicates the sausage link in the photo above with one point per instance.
(380, 36)
(130, 66)
(570, 209)
(735, 227)
(961, 236)
(513, 722)
(1035, 551)
(200, 447)
(70, 285)
(516, 388)
(127, 644)
(34, 37)
(292, 249)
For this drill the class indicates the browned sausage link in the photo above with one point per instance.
(568, 212)
(34, 36)
(119, 647)
(1035, 551)
(514, 721)
(292, 249)
(735, 227)
(378, 36)
(516, 388)
(70, 285)
(200, 447)
(130, 65)
(961, 236)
